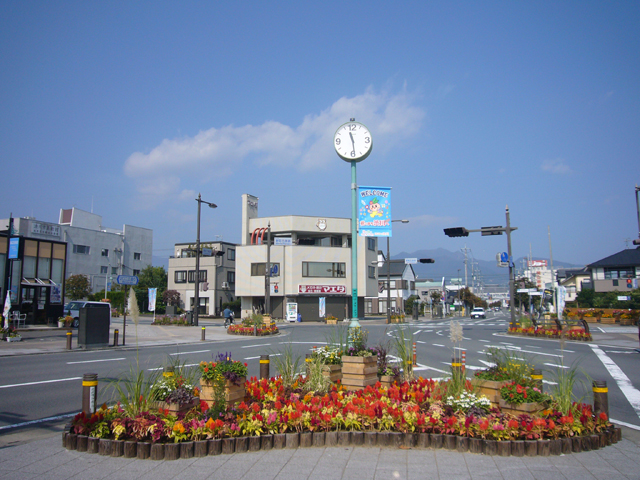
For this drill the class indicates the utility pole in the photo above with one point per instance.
(267, 274)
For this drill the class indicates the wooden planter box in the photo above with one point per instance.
(490, 389)
(332, 372)
(359, 372)
(333, 321)
(388, 380)
(232, 393)
(521, 408)
(174, 407)
(266, 320)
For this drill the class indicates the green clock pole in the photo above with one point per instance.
(354, 248)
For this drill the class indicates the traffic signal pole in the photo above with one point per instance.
(511, 279)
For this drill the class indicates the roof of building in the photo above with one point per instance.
(626, 258)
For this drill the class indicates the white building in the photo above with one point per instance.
(540, 274)
(217, 275)
(99, 252)
(311, 264)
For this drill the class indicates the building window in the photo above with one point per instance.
(231, 254)
(81, 249)
(611, 273)
(192, 276)
(180, 276)
(114, 270)
(231, 277)
(372, 271)
(371, 243)
(324, 269)
(136, 273)
(136, 255)
(392, 284)
(105, 252)
(104, 269)
(259, 269)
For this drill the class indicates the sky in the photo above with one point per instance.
(130, 109)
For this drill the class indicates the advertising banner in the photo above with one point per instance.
(152, 299)
(322, 304)
(374, 211)
(322, 289)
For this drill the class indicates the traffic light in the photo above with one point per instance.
(636, 241)
(456, 232)
(426, 260)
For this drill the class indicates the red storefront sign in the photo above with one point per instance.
(322, 289)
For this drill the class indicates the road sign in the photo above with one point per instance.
(283, 241)
(207, 252)
(127, 280)
(491, 230)
(410, 261)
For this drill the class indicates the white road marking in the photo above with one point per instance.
(41, 383)
(188, 353)
(103, 360)
(555, 365)
(271, 355)
(419, 341)
(252, 346)
(437, 345)
(41, 420)
(618, 422)
(632, 394)
(425, 367)
(485, 341)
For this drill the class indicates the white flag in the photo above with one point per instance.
(152, 299)
(7, 309)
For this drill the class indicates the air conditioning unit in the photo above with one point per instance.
(225, 284)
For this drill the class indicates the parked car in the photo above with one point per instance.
(73, 309)
(478, 312)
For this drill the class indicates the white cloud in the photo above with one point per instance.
(556, 166)
(221, 151)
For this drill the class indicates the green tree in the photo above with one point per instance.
(412, 301)
(171, 297)
(150, 277)
(77, 287)
(436, 296)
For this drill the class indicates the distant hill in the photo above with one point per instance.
(451, 265)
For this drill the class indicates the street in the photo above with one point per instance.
(46, 388)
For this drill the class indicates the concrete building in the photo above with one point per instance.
(217, 275)
(99, 252)
(310, 261)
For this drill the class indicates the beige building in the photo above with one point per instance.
(217, 275)
(310, 260)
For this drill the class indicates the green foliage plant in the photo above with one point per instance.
(402, 344)
(288, 365)
(316, 381)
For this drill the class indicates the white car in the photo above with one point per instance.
(73, 309)
(478, 312)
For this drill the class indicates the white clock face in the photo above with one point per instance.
(353, 142)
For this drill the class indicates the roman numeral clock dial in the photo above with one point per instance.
(353, 142)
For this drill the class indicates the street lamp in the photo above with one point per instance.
(463, 232)
(196, 300)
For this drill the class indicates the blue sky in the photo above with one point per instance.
(132, 108)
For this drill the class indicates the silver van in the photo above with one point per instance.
(73, 309)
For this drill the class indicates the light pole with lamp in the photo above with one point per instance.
(196, 300)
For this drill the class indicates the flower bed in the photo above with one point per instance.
(574, 333)
(170, 320)
(417, 413)
(251, 331)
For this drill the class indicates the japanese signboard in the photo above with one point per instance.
(374, 211)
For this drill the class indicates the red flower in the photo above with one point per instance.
(603, 416)
(245, 364)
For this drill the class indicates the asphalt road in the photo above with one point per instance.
(45, 389)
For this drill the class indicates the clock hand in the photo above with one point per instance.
(352, 141)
